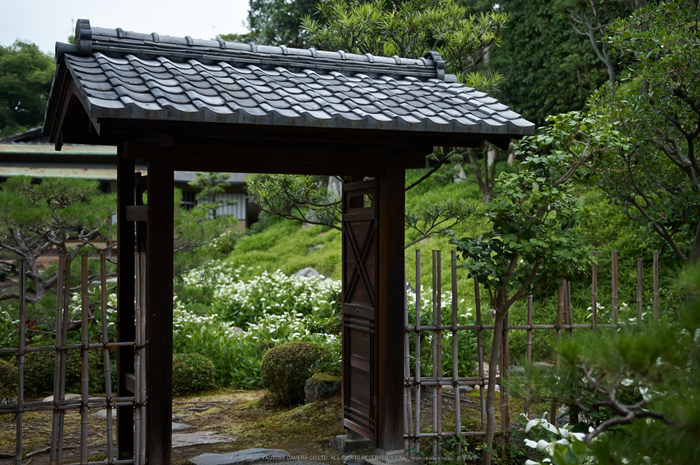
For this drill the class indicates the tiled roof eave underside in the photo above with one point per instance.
(165, 90)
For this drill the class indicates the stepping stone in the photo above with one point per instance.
(199, 438)
(67, 397)
(102, 414)
(243, 457)
(180, 426)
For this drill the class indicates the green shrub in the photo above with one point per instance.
(237, 353)
(192, 373)
(8, 380)
(284, 370)
(39, 372)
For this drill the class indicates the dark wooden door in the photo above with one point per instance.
(360, 276)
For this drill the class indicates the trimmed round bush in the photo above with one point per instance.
(39, 372)
(8, 380)
(284, 370)
(192, 373)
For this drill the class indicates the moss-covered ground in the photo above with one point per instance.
(305, 431)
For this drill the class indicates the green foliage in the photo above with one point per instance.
(237, 353)
(548, 67)
(195, 233)
(37, 216)
(209, 187)
(296, 198)
(277, 22)
(657, 109)
(533, 218)
(285, 245)
(8, 380)
(25, 82)
(638, 384)
(466, 340)
(285, 369)
(408, 29)
(8, 330)
(44, 209)
(192, 373)
(39, 372)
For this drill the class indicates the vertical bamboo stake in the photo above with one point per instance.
(569, 315)
(455, 356)
(84, 341)
(57, 367)
(528, 346)
(144, 342)
(640, 264)
(437, 350)
(105, 354)
(416, 438)
(614, 286)
(505, 395)
(594, 321)
(20, 358)
(406, 366)
(480, 351)
(64, 357)
(560, 311)
(573, 417)
(656, 284)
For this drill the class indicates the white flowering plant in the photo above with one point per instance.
(556, 446)
(239, 298)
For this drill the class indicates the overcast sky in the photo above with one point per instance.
(46, 22)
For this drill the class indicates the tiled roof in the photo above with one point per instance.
(146, 76)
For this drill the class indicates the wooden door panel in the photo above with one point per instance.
(360, 274)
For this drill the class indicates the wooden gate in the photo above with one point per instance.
(360, 273)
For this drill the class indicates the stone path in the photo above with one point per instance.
(248, 456)
(199, 438)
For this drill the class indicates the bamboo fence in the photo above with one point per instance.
(60, 405)
(421, 425)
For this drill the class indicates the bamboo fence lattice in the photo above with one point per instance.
(60, 405)
(420, 425)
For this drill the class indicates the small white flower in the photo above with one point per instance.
(542, 444)
(530, 443)
(530, 424)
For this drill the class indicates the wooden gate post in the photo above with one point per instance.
(390, 322)
(125, 301)
(159, 312)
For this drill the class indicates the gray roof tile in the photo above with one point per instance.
(132, 75)
(111, 103)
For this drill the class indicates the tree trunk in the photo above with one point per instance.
(694, 256)
(491, 390)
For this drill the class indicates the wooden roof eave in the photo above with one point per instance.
(247, 134)
(64, 99)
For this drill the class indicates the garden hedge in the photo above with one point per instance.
(284, 370)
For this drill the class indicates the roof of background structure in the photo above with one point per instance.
(29, 153)
(127, 75)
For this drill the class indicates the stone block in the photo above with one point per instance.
(321, 385)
